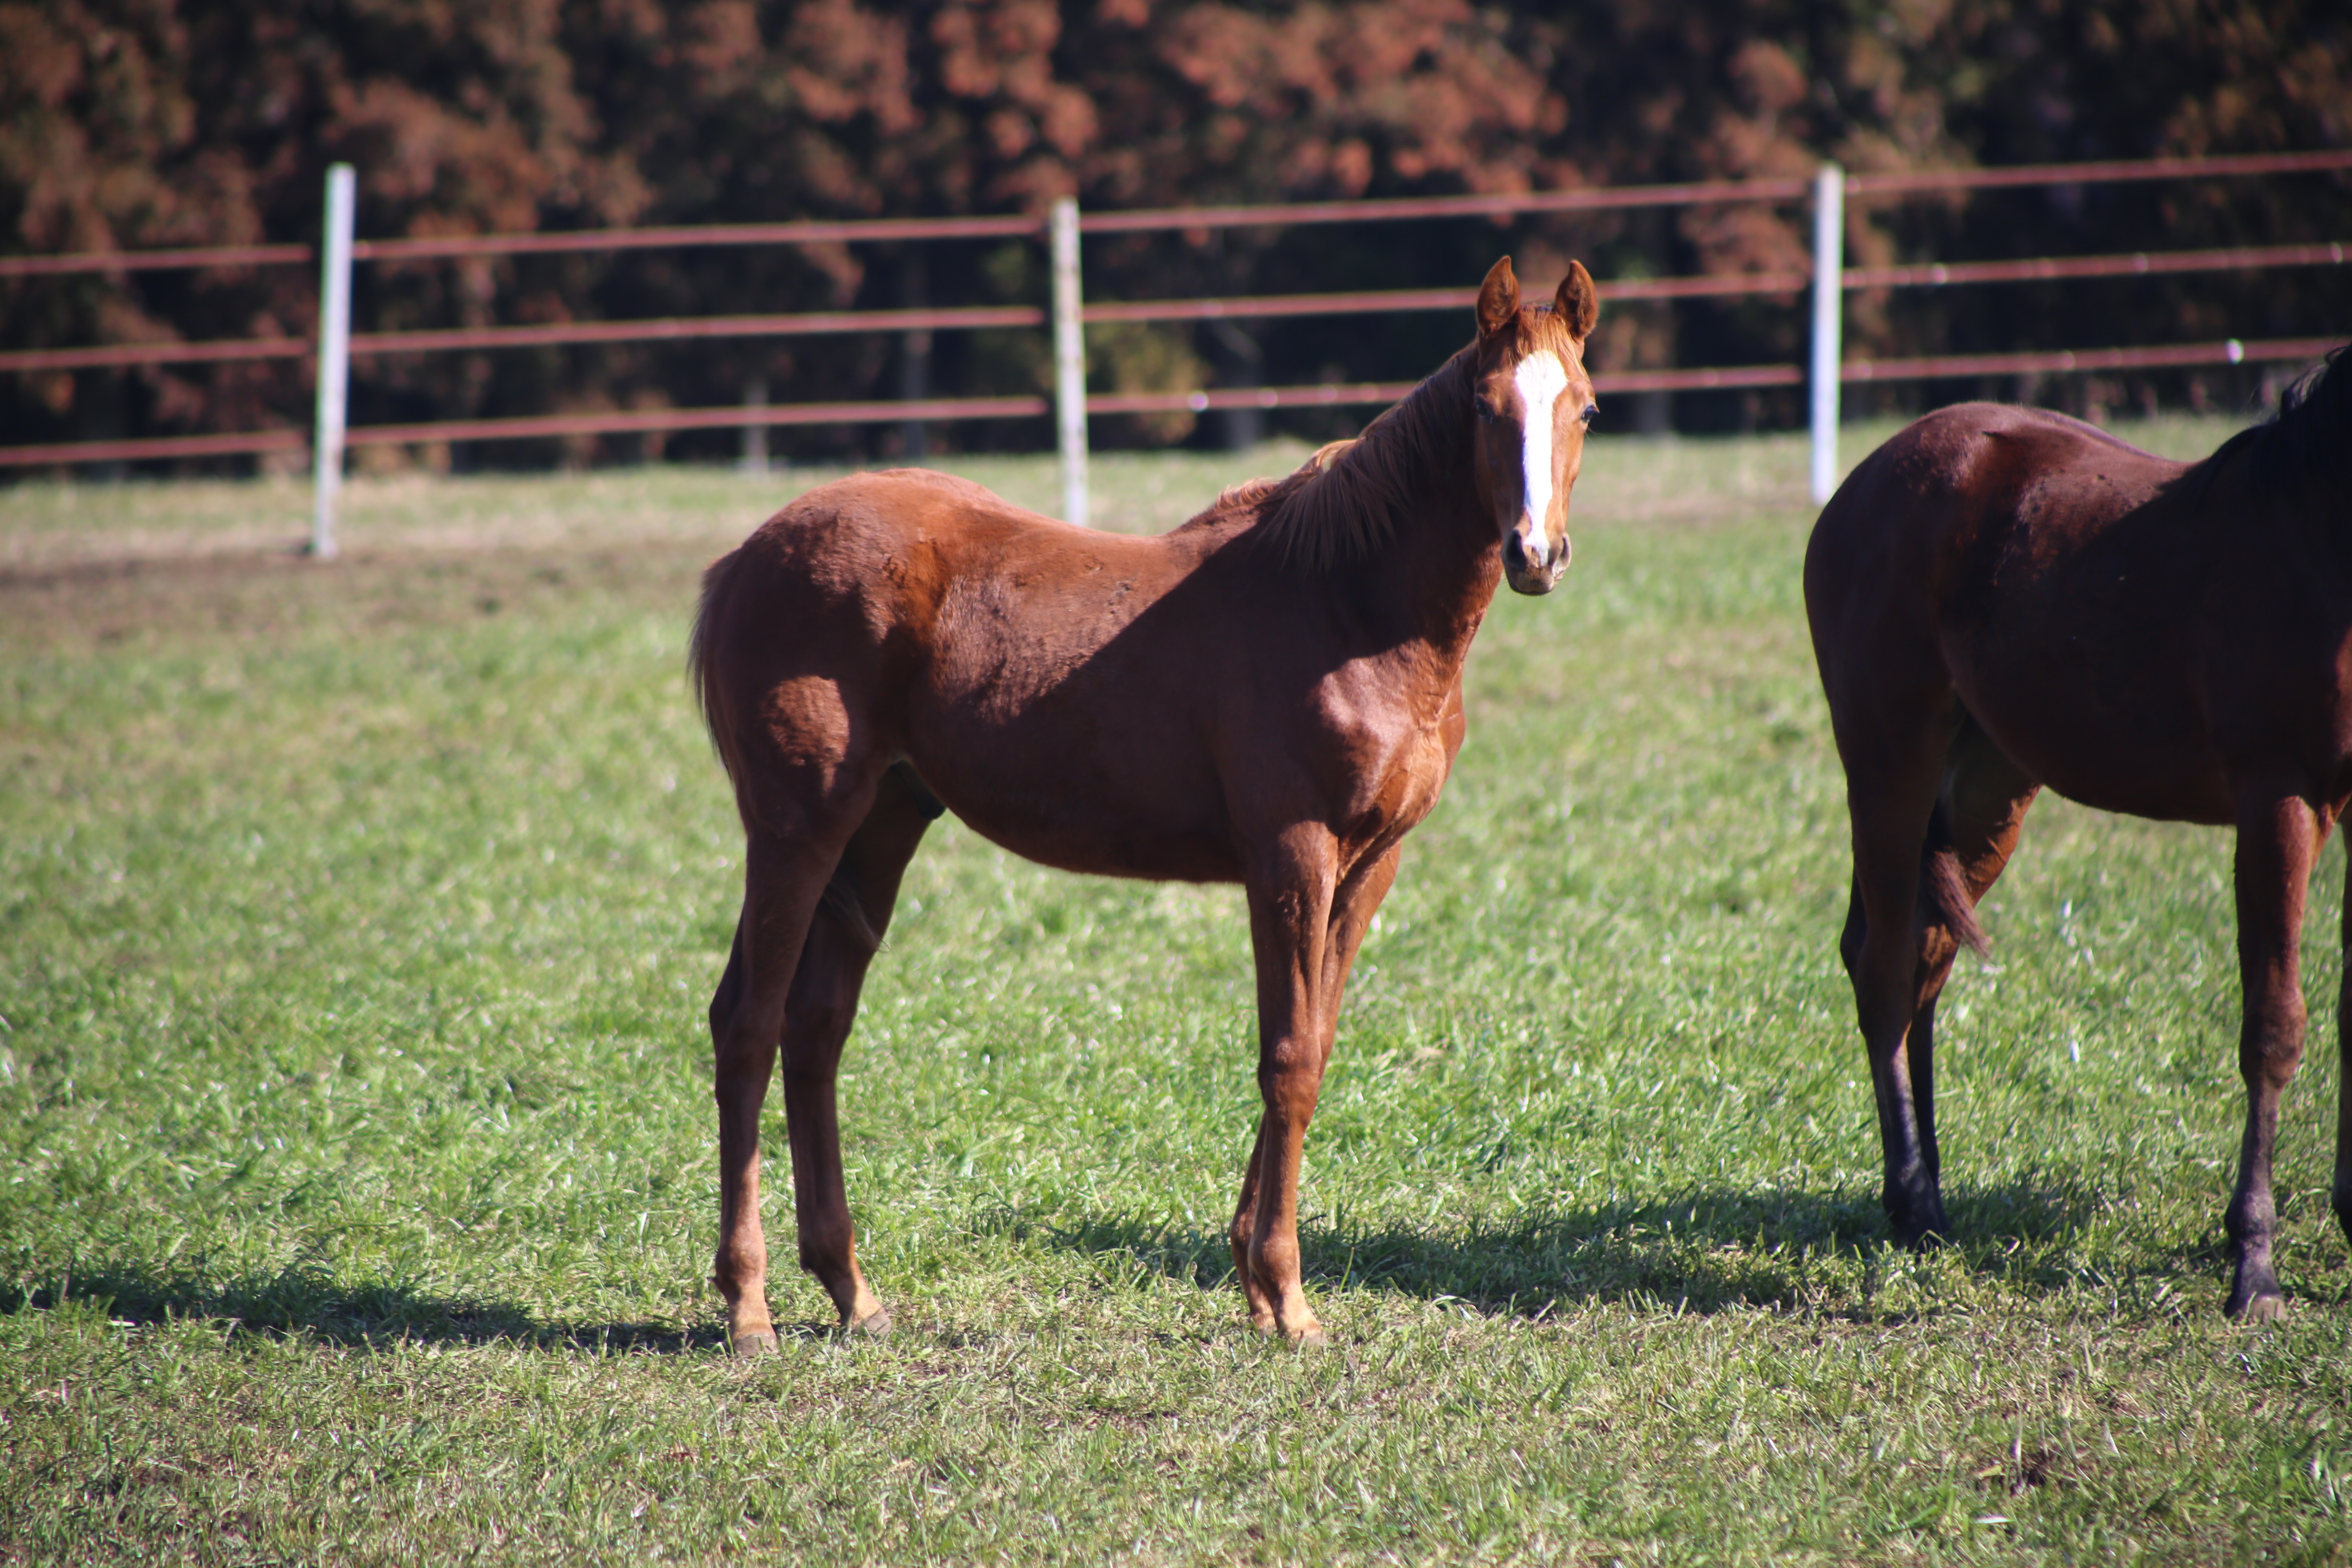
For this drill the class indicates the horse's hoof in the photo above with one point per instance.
(1311, 1337)
(2267, 1308)
(759, 1342)
(1924, 1236)
(873, 1325)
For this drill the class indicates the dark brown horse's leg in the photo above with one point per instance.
(850, 921)
(1891, 809)
(2343, 1193)
(1937, 951)
(2277, 839)
(1981, 812)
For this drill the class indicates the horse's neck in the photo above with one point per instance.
(1437, 572)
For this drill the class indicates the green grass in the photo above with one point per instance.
(356, 924)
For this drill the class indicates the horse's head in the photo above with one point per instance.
(1534, 403)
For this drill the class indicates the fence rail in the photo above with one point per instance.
(1593, 199)
(668, 421)
(1828, 191)
(1729, 285)
(157, 260)
(2167, 357)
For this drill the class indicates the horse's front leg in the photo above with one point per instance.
(2343, 1193)
(2277, 839)
(1290, 889)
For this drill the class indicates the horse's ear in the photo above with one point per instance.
(1498, 299)
(1578, 303)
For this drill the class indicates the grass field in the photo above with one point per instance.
(356, 923)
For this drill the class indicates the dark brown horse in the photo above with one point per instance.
(1269, 695)
(2004, 598)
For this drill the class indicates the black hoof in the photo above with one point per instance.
(1919, 1228)
(2254, 1294)
(2256, 1307)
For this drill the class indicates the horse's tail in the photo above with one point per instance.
(702, 657)
(1943, 888)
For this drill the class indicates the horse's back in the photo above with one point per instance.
(1037, 676)
(1968, 503)
(892, 549)
(846, 533)
(2052, 581)
(846, 586)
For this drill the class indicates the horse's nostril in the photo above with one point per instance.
(1515, 553)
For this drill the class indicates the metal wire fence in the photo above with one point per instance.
(1828, 280)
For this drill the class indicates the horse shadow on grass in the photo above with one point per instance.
(307, 1302)
(1703, 1250)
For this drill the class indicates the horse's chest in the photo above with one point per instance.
(1399, 773)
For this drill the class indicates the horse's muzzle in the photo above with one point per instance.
(1524, 575)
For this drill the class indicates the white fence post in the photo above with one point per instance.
(754, 460)
(334, 357)
(1069, 362)
(1829, 308)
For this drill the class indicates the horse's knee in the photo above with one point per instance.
(1850, 939)
(730, 993)
(2272, 1049)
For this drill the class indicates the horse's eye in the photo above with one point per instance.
(1590, 411)
(1485, 410)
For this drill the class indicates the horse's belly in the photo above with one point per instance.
(1102, 845)
(2158, 798)
(1084, 800)
(2156, 765)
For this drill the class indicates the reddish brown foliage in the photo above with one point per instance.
(142, 122)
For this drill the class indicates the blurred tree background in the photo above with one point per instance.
(140, 124)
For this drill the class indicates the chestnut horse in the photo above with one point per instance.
(2004, 598)
(1270, 694)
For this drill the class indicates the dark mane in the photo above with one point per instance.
(2303, 449)
(1349, 499)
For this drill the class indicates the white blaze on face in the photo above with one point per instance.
(1540, 378)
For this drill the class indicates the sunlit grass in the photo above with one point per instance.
(356, 924)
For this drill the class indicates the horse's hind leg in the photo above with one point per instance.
(1894, 779)
(1930, 836)
(2278, 838)
(782, 882)
(2343, 1193)
(850, 921)
(784, 875)
(1971, 838)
